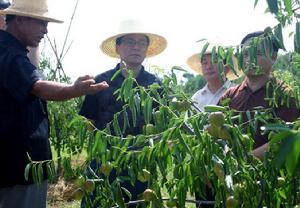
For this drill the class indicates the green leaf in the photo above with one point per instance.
(119, 197)
(293, 156)
(34, 173)
(49, 171)
(280, 136)
(116, 74)
(275, 127)
(125, 120)
(40, 172)
(127, 192)
(297, 38)
(288, 7)
(203, 50)
(255, 3)
(116, 125)
(26, 172)
(183, 143)
(285, 148)
(273, 6)
(279, 37)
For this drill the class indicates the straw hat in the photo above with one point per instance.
(37, 9)
(157, 43)
(194, 63)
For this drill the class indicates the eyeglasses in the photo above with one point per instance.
(132, 43)
(246, 54)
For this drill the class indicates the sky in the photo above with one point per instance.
(181, 22)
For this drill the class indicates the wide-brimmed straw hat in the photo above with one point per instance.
(194, 62)
(37, 9)
(157, 43)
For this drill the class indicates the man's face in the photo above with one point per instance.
(133, 49)
(264, 63)
(32, 31)
(209, 69)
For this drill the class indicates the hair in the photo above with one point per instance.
(4, 4)
(9, 17)
(119, 39)
(258, 34)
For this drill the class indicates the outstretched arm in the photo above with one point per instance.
(56, 91)
(260, 151)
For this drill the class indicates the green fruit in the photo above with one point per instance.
(78, 194)
(150, 129)
(239, 188)
(106, 168)
(219, 172)
(158, 115)
(231, 202)
(174, 104)
(224, 132)
(149, 195)
(281, 181)
(171, 144)
(180, 105)
(213, 130)
(79, 181)
(171, 203)
(89, 186)
(184, 105)
(216, 118)
(144, 176)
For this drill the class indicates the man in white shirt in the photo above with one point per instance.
(217, 83)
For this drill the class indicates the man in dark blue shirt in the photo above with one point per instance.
(132, 45)
(24, 128)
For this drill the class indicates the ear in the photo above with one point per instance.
(226, 69)
(117, 49)
(274, 57)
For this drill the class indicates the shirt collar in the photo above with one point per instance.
(7, 39)
(226, 85)
(120, 76)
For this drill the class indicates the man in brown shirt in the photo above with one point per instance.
(256, 87)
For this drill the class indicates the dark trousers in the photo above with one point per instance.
(209, 197)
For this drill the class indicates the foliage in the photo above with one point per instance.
(181, 156)
(193, 83)
(182, 152)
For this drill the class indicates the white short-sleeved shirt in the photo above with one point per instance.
(205, 97)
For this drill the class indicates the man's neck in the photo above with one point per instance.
(214, 85)
(257, 82)
(135, 69)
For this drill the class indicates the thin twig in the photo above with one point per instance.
(68, 31)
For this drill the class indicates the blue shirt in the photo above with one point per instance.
(24, 125)
(102, 106)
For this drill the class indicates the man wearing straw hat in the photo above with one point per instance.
(259, 86)
(24, 128)
(131, 45)
(33, 52)
(217, 82)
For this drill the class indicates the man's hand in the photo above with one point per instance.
(86, 85)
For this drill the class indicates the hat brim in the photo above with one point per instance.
(44, 16)
(194, 63)
(157, 44)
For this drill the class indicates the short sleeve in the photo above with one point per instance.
(19, 76)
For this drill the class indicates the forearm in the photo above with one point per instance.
(260, 151)
(54, 91)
